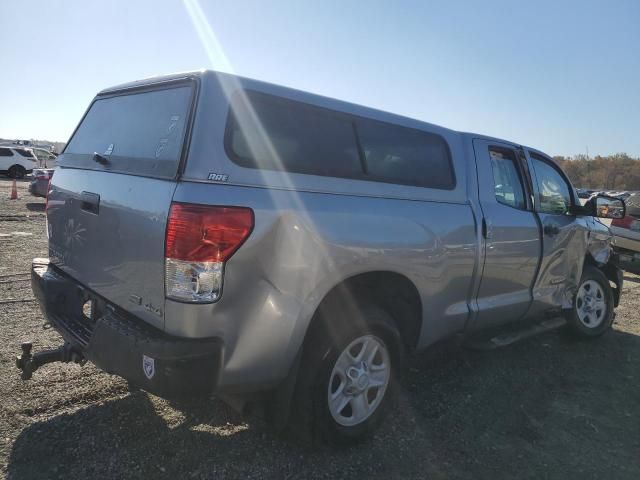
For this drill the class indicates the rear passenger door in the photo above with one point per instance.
(511, 235)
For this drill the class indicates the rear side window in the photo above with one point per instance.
(141, 133)
(272, 133)
(25, 153)
(6, 152)
(403, 155)
(506, 178)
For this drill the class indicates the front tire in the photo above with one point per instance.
(17, 171)
(592, 313)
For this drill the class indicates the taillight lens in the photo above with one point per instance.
(46, 202)
(199, 240)
(42, 174)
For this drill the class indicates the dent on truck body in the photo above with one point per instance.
(598, 248)
(559, 275)
(599, 244)
(601, 253)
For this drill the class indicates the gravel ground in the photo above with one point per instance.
(548, 407)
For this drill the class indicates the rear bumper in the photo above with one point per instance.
(37, 189)
(124, 345)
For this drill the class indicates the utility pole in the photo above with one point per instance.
(588, 168)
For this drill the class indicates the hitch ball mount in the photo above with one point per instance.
(29, 363)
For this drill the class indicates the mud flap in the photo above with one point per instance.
(615, 275)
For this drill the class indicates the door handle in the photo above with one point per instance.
(551, 229)
(90, 202)
(486, 229)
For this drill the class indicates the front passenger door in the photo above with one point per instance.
(564, 235)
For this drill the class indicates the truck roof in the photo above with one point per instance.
(300, 95)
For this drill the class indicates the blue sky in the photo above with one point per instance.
(559, 75)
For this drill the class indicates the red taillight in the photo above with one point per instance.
(201, 233)
(46, 201)
(623, 222)
(200, 238)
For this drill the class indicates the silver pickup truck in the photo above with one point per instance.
(211, 233)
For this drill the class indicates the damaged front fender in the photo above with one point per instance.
(600, 254)
(581, 240)
(599, 242)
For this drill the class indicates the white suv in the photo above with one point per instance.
(17, 161)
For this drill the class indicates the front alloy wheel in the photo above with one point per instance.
(592, 312)
(591, 305)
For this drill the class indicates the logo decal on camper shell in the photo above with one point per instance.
(74, 234)
(148, 366)
(218, 177)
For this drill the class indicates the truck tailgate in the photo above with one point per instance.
(110, 197)
(107, 231)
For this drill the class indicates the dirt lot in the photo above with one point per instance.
(549, 407)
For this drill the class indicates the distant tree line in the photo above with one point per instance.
(614, 172)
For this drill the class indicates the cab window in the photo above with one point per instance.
(506, 178)
(553, 195)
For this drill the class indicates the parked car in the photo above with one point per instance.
(16, 162)
(290, 247)
(622, 195)
(40, 178)
(627, 235)
(585, 193)
(618, 194)
(46, 158)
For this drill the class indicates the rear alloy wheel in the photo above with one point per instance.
(17, 171)
(347, 379)
(359, 380)
(592, 312)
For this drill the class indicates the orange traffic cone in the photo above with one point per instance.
(14, 191)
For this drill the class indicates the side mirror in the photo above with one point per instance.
(603, 206)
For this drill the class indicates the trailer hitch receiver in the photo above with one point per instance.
(29, 362)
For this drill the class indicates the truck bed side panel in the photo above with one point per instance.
(303, 245)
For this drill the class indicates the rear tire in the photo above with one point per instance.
(592, 313)
(347, 380)
(17, 171)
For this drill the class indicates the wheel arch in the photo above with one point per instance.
(611, 271)
(393, 292)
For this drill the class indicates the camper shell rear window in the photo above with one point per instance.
(136, 132)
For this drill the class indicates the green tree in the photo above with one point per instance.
(613, 172)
